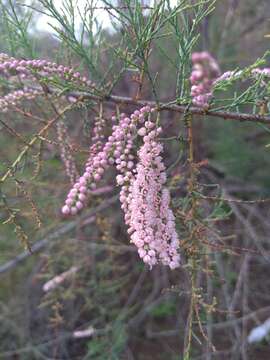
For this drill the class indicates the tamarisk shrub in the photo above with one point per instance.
(145, 199)
(130, 56)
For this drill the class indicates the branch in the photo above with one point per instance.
(177, 108)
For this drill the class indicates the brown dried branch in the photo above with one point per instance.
(242, 117)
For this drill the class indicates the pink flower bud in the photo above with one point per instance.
(65, 210)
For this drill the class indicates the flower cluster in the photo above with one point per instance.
(100, 158)
(36, 69)
(263, 72)
(151, 222)
(14, 98)
(231, 75)
(144, 198)
(5, 57)
(125, 163)
(205, 71)
(65, 151)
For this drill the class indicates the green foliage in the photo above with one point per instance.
(15, 24)
(110, 346)
(164, 309)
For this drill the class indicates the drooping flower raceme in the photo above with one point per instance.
(205, 71)
(145, 199)
(125, 164)
(16, 97)
(65, 152)
(100, 158)
(151, 221)
(36, 69)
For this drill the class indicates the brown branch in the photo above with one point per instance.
(177, 108)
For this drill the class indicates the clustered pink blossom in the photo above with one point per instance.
(229, 75)
(65, 152)
(258, 71)
(125, 164)
(98, 130)
(144, 198)
(5, 57)
(205, 71)
(100, 158)
(151, 221)
(36, 69)
(14, 98)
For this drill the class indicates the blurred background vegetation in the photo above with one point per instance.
(130, 311)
